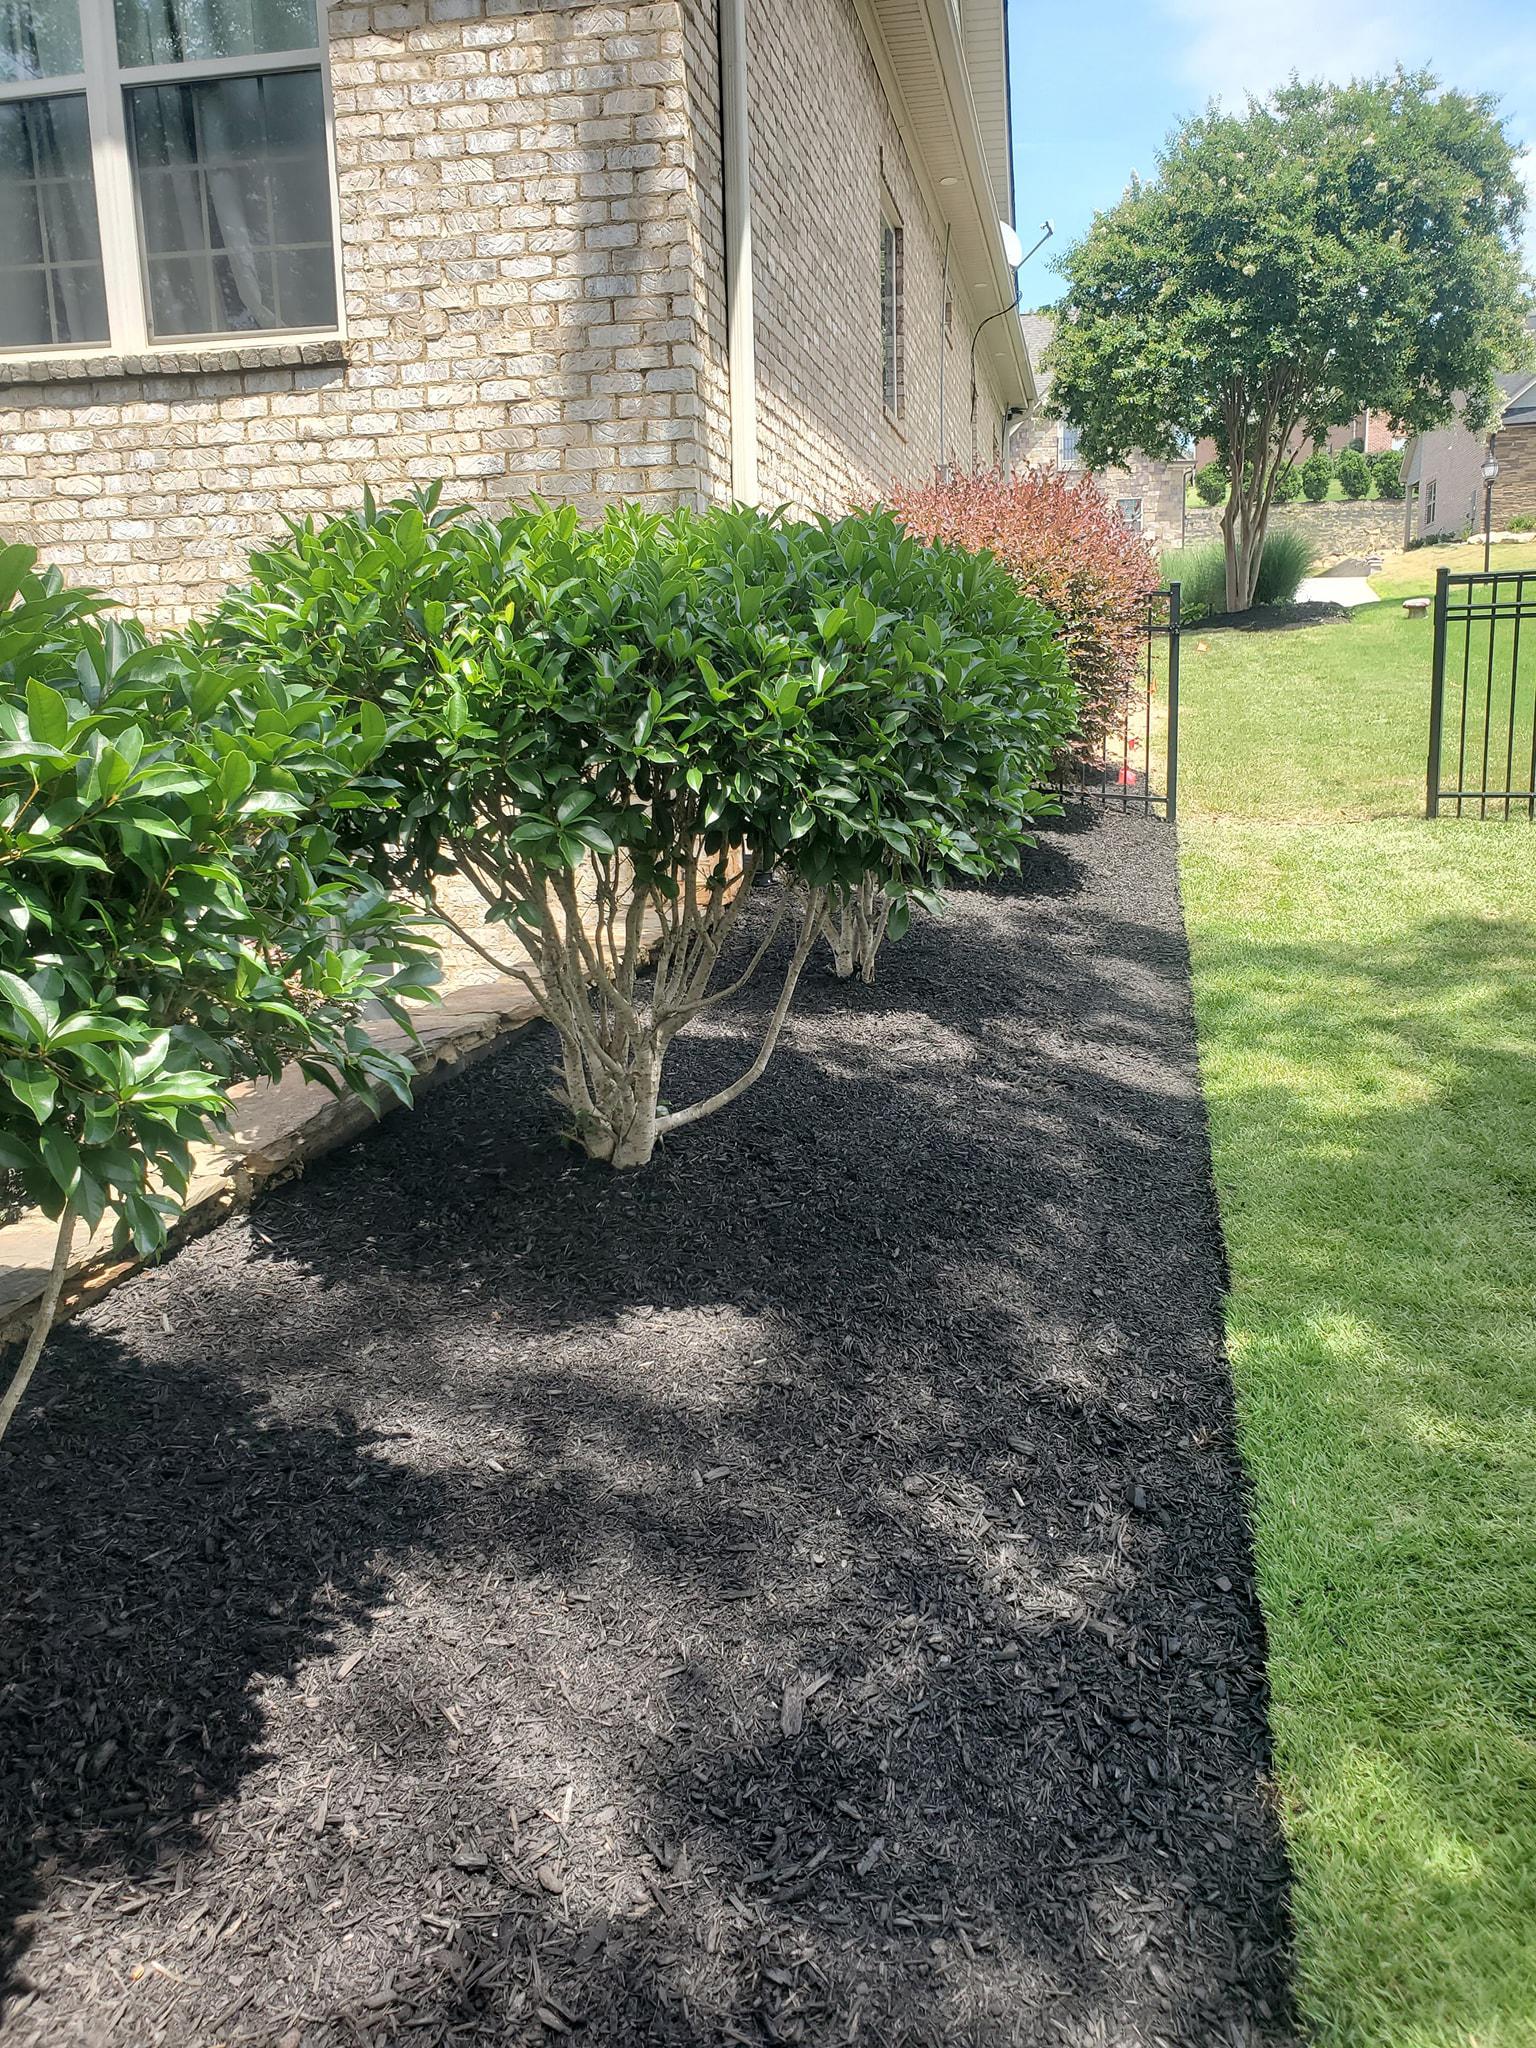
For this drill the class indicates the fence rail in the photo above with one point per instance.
(1135, 767)
(1482, 695)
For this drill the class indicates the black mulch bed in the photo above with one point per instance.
(1275, 618)
(800, 1593)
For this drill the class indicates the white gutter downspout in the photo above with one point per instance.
(741, 354)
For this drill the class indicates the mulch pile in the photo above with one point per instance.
(800, 1593)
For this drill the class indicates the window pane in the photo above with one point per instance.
(51, 288)
(888, 315)
(181, 31)
(234, 203)
(39, 39)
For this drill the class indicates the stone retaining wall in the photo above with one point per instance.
(1338, 529)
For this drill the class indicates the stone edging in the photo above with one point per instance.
(276, 1128)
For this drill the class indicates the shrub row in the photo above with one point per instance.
(1355, 474)
(612, 731)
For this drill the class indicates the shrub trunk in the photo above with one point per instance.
(857, 920)
(588, 950)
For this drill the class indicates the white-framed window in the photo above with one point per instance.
(1068, 447)
(165, 173)
(1429, 506)
(1129, 510)
(892, 314)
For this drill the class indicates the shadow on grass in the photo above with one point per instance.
(800, 1592)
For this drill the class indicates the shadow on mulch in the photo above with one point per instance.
(798, 1593)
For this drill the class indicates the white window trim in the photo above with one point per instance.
(104, 81)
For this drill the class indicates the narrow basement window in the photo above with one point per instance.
(892, 337)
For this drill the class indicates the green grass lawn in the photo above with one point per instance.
(1365, 988)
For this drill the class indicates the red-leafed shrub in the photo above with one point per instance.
(1069, 550)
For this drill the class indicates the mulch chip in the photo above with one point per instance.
(799, 1593)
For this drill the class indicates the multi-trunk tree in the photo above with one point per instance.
(1329, 249)
(615, 732)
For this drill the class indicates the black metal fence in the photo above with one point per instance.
(1482, 697)
(1135, 766)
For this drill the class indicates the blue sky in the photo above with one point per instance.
(1096, 89)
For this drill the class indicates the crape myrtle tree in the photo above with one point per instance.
(1328, 249)
(175, 911)
(613, 732)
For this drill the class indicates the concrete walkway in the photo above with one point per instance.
(1345, 590)
(277, 1127)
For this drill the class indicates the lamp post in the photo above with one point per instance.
(1490, 478)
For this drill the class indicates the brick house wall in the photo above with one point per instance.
(827, 159)
(516, 264)
(532, 267)
(1514, 493)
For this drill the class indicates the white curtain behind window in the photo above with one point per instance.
(182, 31)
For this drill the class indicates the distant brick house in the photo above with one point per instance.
(1443, 488)
(1148, 494)
(257, 253)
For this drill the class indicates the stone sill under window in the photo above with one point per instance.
(93, 369)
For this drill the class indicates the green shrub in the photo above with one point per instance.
(1211, 483)
(1387, 471)
(1201, 573)
(177, 913)
(1066, 547)
(1287, 558)
(646, 708)
(1317, 475)
(1288, 485)
(1523, 522)
(1354, 473)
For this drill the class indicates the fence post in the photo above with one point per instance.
(1172, 807)
(1437, 694)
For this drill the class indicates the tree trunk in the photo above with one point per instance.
(856, 927)
(47, 1309)
(840, 936)
(1244, 525)
(1229, 546)
(810, 931)
(636, 1141)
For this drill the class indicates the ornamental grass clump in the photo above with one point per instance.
(615, 732)
(1068, 549)
(176, 913)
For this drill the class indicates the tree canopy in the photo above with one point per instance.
(1327, 249)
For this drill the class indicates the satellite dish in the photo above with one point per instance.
(1013, 248)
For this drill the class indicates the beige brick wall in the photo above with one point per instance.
(516, 262)
(533, 278)
(825, 152)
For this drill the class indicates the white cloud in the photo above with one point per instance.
(1230, 50)
(1226, 49)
